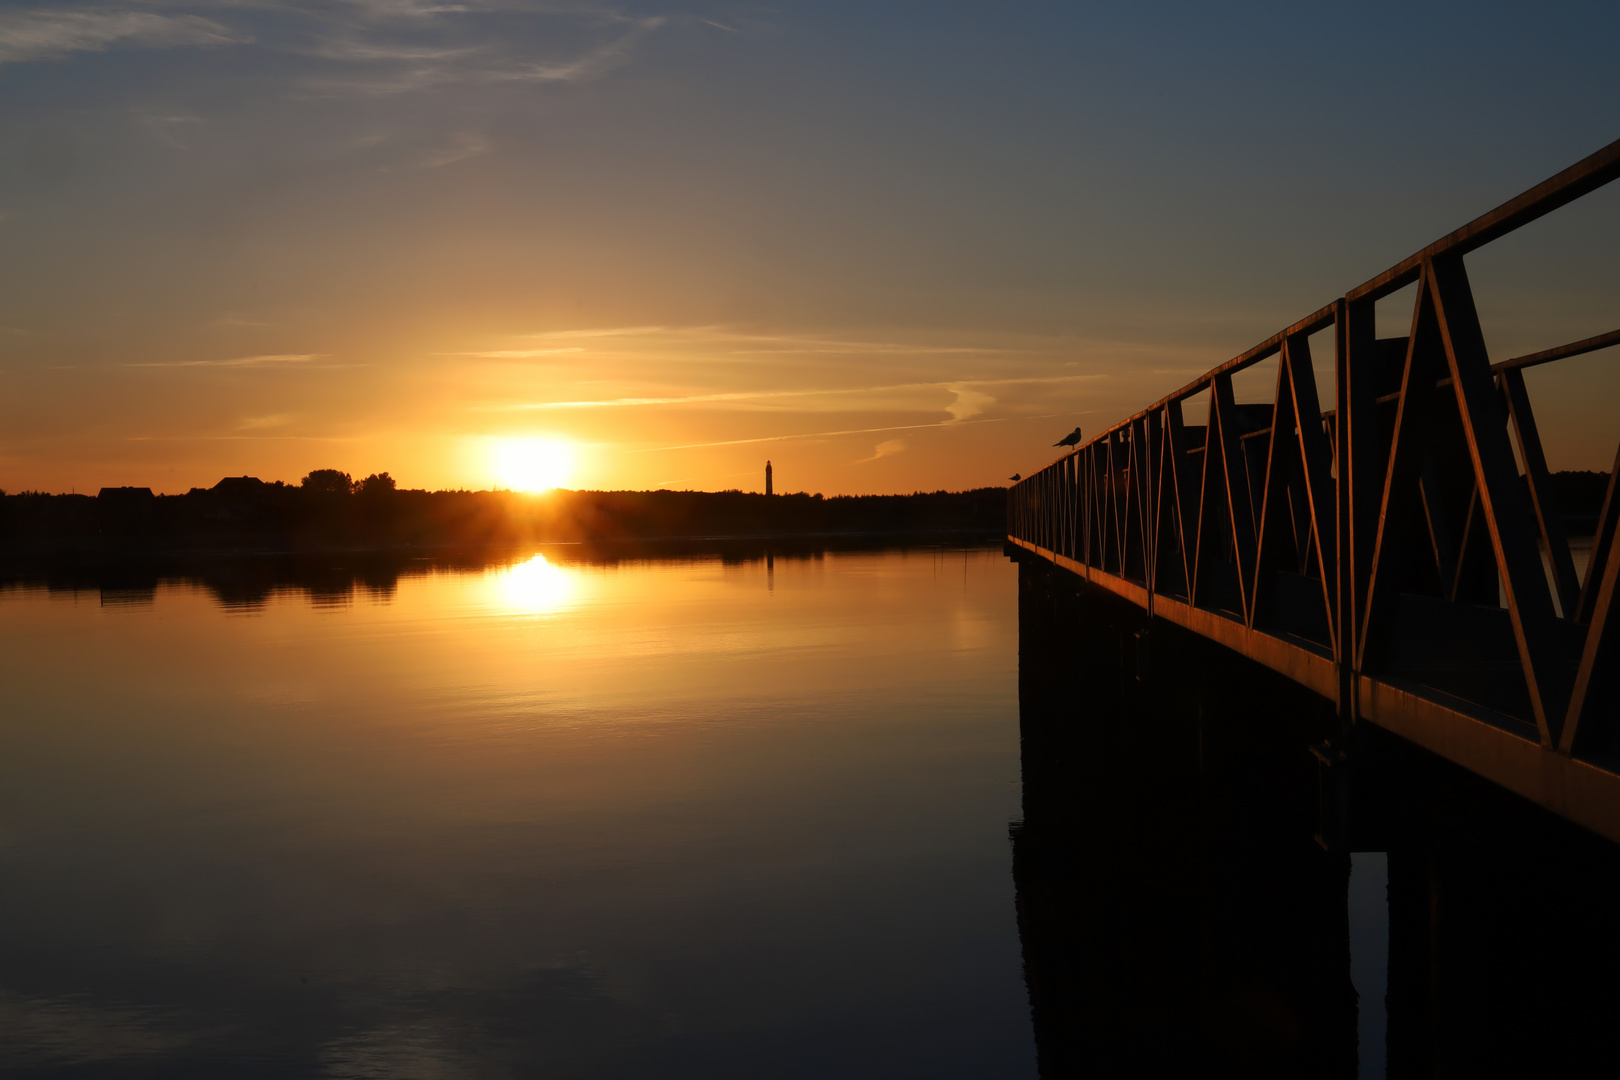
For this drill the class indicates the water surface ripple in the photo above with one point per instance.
(559, 815)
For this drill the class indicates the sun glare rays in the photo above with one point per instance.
(533, 464)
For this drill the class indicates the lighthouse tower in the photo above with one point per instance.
(768, 478)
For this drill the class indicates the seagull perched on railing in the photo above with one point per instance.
(1015, 478)
(1071, 439)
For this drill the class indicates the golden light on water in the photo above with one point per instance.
(533, 464)
(537, 587)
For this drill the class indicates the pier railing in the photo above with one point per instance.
(1385, 551)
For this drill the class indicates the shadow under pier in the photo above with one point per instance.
(1179, 917)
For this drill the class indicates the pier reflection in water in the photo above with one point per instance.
(1178, 917)
(565, 813)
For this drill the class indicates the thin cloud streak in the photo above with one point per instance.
(594, 63)
(243, 438)
(600, 332)
(699, 399)
(820, 434)
(514, 354)
(254, 423)
(968, 403)
(794, 344)
(352, 51)
(408, 9)
(888, 448)
(51, 35)
(462, 145)
(421, 68)
(271, 360)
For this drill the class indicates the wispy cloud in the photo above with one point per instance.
(244, 438)
(376, 47)
(815, 346)
(462, 145)
(260, 423)
(592, 64)
(269, 360)
(740, 342)
(386, 65)
(722, 343)
(408, 9)
(968, 403)
(600, 332)
(885, 449)
(352, 50)
(516, 354)
(816, 435)
(50, 35)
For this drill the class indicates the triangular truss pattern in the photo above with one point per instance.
(1385, 549)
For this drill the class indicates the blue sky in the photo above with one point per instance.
(888, 245)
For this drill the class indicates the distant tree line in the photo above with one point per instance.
(245, 584)
(329, 509)
(336, 482)
(1580, 496)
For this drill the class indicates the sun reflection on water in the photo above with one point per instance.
(537, 587)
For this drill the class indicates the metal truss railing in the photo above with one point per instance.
(1387, 551)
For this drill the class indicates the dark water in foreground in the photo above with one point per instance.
(649, 814)
(664, 817)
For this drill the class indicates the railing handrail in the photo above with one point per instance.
(1581, 178)
(1391, 556)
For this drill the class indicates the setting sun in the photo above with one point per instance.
(533, 464)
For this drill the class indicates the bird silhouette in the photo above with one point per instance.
(1071, 439)
(1015, 478)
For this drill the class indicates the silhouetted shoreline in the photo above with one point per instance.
(246, 515)
(246, 580)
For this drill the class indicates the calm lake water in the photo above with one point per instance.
(667, 817)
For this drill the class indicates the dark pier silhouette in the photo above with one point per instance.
(1178, 917)
(1384, 553)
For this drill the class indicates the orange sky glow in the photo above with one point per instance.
(501, 245)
